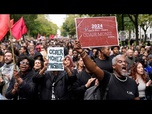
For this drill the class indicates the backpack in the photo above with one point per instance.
(94, 93)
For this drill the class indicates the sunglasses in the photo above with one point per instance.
(26, 63)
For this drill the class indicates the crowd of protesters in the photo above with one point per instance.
(24, 75)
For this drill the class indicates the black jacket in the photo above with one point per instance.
(27, 89)
(45, 82)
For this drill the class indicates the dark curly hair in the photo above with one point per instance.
(30, 60)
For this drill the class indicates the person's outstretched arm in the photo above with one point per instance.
(90, 65)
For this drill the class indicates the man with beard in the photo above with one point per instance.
(121, 87)
(6, 71)
(104, 61)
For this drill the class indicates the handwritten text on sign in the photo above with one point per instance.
(55, 57)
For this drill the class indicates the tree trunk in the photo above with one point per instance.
(136, 28)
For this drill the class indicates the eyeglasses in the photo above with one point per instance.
(26, 63)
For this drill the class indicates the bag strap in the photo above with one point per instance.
(107, 88)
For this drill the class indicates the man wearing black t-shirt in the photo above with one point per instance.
(121, 86)
(104, 61)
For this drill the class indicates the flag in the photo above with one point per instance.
(4, 25)
(18, 29)
(11, 22)
(51, 36)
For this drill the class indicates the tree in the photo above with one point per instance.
(46, 27)
(28, 18)
(68, 27)
(134, 20)
(36, 23)
(145, 23)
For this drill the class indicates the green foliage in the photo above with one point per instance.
(144, 21)
(68, 27)
(45, 27)
(36, 23)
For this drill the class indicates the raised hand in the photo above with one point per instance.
(16, 74)
(15, 88)
(46, 62)
(148, 83)
(1, 80)
(89, 82)
(65, 64)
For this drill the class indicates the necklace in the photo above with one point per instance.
(121, 79)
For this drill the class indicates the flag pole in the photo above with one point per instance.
(11, 40)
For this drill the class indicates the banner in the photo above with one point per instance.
(97, 31)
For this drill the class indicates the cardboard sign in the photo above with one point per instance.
(97, 31)
(55, 57)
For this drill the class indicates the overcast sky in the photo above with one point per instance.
(57, 19)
